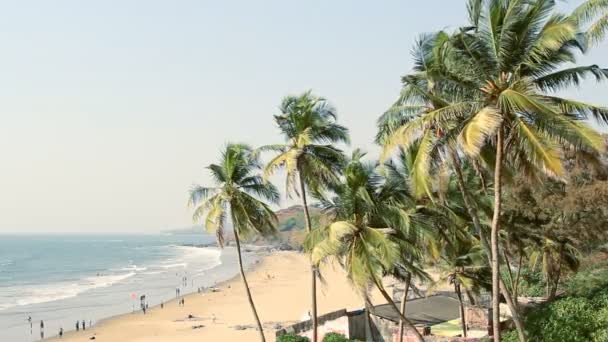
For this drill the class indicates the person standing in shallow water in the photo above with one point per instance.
(61, 332)
(41, 329)
(83, 326)
(77, 325)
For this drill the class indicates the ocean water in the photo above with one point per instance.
(63, 278)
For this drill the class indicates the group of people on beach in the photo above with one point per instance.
(143, 303)
(84, 327)
(60, 334)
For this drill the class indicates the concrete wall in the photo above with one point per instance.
(336, 322)
(477, 317)
(389, 331)
(356, 324)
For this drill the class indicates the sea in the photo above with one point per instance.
(62, 279)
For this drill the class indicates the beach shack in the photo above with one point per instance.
(437, 318)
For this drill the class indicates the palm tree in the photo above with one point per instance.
(464, 266)
(435, 146)
(551, 253)
(308, 156)
(503, 67)
(359, 235)
(586, 13)
(414, 223)
(235, 196)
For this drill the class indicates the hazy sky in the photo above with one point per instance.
(110, 109)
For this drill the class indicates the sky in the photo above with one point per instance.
(110, 110)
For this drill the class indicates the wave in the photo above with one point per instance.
(133, 268)
(181, 264)
(196, 260)
(37, 294)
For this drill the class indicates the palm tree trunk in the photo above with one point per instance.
(390, 301)
(519, 325)
(368, 320)
(507, 252)
(406, 288)
(315, 322)
(558, 273)
(255, 313)
(470, 297)
(462, 316)
(494, 236)
(515, 286)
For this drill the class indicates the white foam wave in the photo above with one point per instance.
(133, 268)
(181, 265)
(36, 294)
(192, 257)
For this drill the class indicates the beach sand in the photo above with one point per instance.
(280, 285)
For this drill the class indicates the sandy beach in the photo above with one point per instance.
(280, 288)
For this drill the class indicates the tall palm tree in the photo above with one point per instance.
(414, 223)
(235, 197)
(360, 236)
(589, 11)
(431, 95)
(308, 124)
(463, 265)
(506, 63)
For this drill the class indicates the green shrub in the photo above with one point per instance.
(510, 336)
(333, 337)
(573, 319)
(292, 338)
(569, 319)
(531, 283)
(588, 282)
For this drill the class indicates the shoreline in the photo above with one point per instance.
(256, 255)
(249, 268)
(280, 290)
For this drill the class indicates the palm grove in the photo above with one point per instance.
(479, 120)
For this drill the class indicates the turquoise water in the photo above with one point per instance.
(63, 278)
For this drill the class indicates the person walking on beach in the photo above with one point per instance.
(41, 329)
(29, 319)
(83, 327)
(77, 326)
(60, 332)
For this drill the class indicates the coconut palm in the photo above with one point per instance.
(308, 124)
(463, 265)
(360, 236)
(430, 95)
(235, 197)
(595, 14)
(414, 223)
(503, 67)
(551, 253)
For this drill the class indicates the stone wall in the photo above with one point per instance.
(336, 322)
(389, 331)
